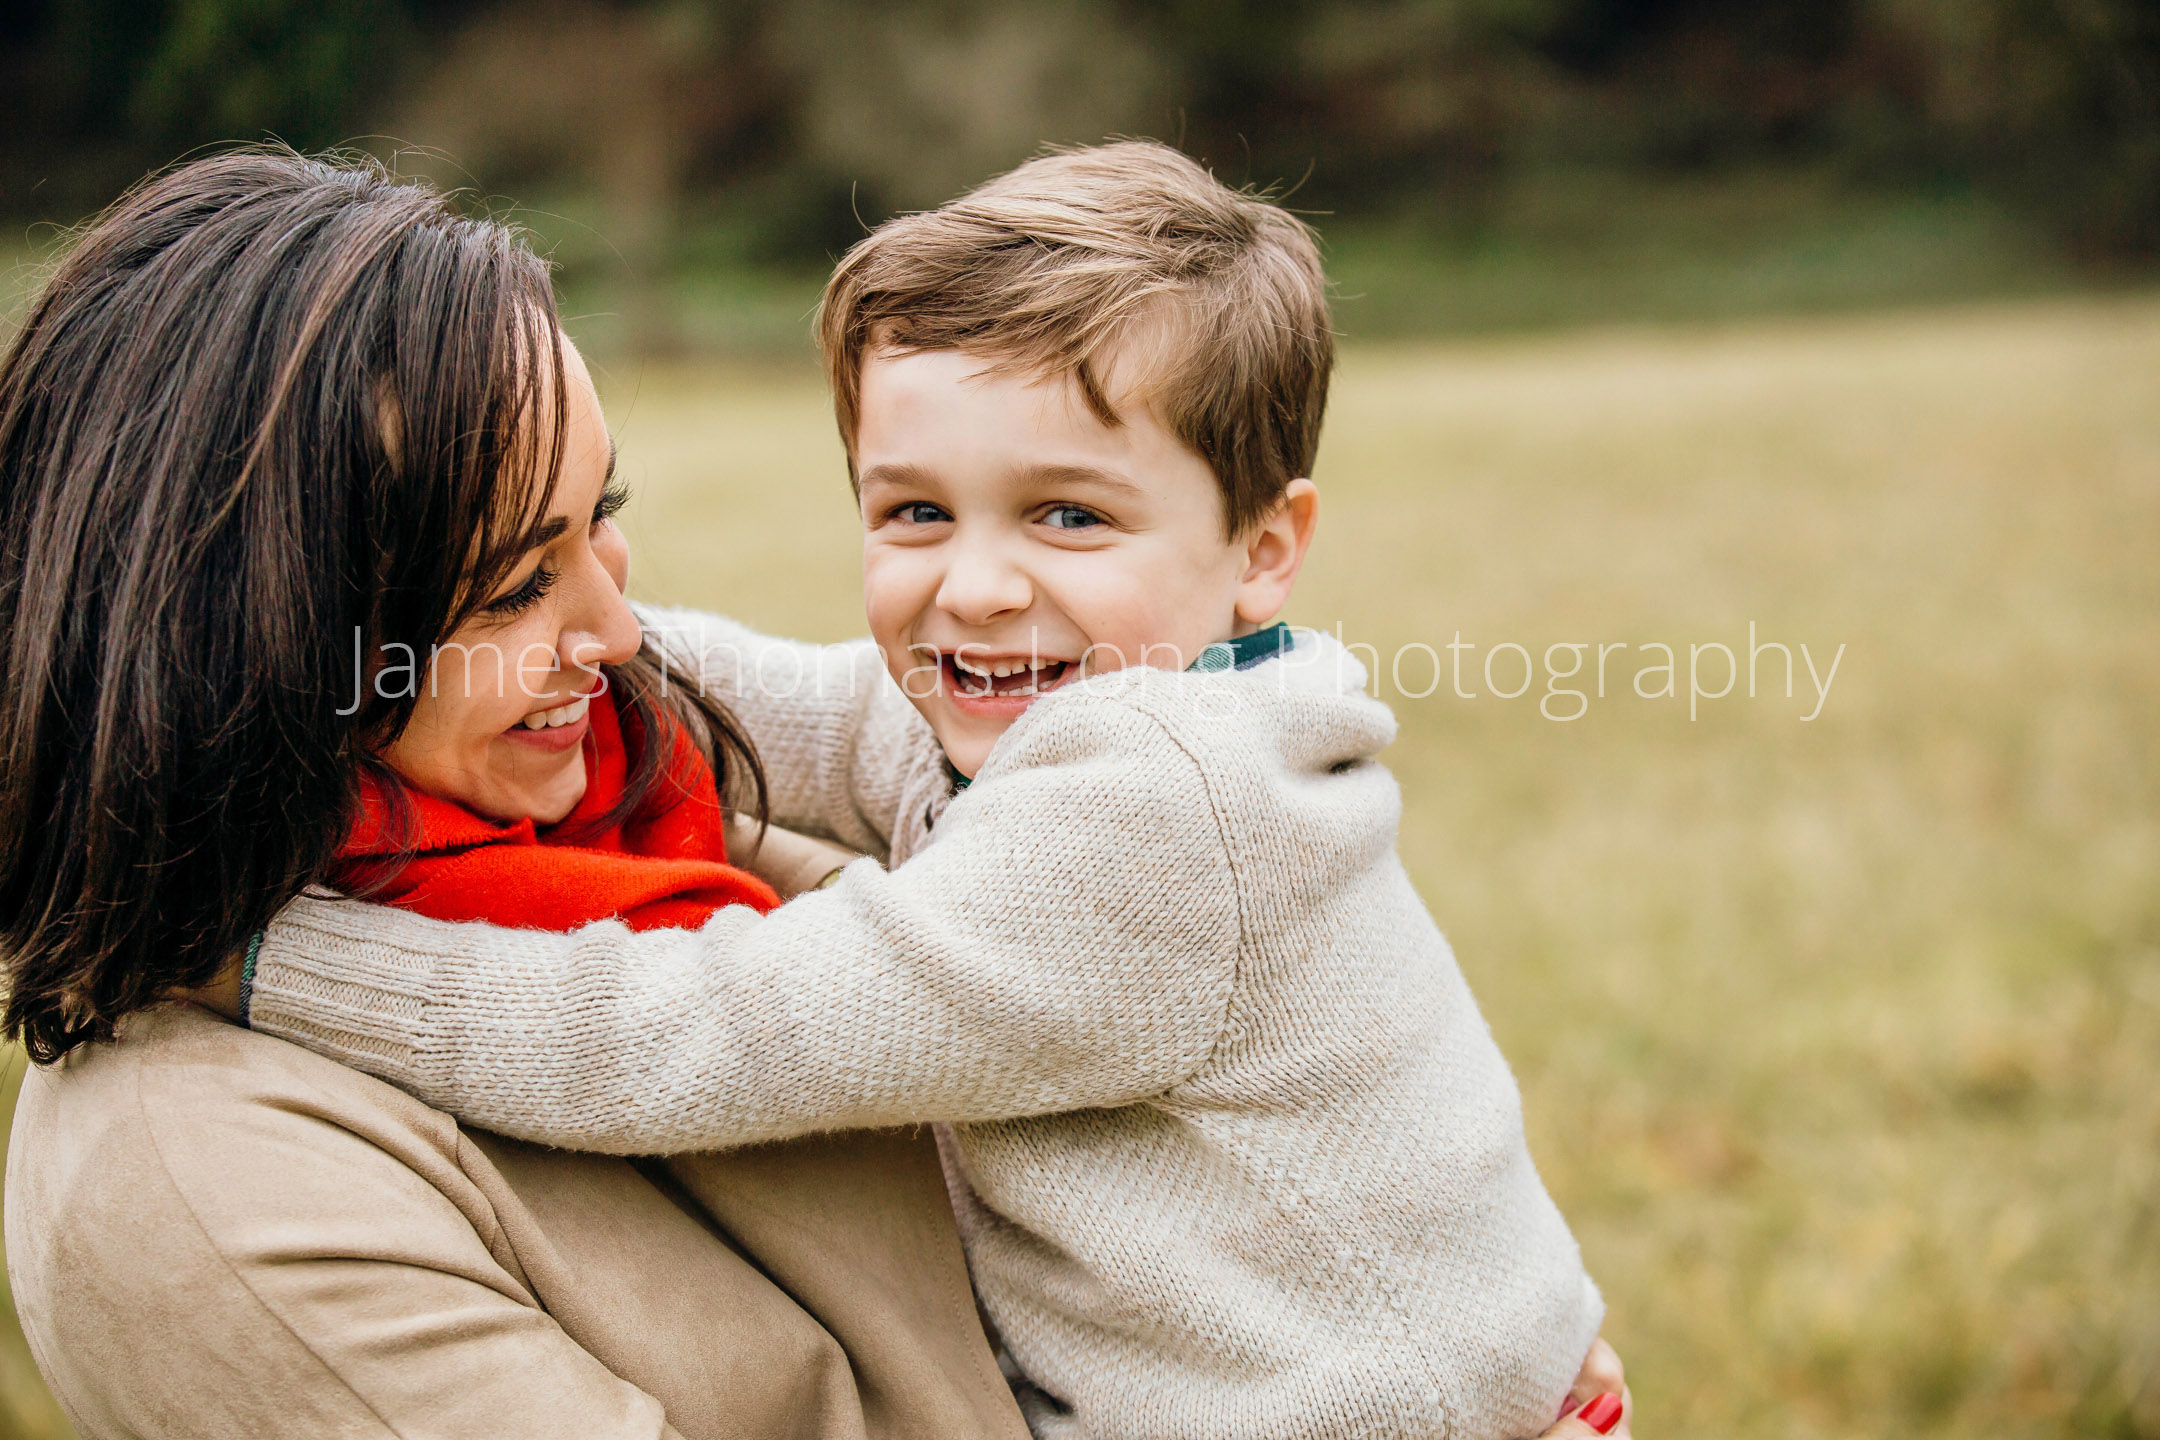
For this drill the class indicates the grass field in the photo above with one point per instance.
(1839, 1037)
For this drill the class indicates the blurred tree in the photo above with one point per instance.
(235, 67)
(101, 89)
(1410, 99)
(67, 69)
(1693, 83)
(917, 99)
(2057, 100)
(611, 100)
(819, 114)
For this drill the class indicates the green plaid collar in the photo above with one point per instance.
(1245, 651)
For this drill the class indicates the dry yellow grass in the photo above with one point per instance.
(1840, 1040)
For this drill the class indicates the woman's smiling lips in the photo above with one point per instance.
(561, 728)
(1000, 686)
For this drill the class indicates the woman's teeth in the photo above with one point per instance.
(561, 715)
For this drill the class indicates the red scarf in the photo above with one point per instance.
(665, 868)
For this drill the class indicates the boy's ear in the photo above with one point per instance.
(1274, 550)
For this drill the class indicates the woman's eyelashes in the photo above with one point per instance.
(534, 588)
(612, 500)
(531, 592)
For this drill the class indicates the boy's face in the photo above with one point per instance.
(1012, 542)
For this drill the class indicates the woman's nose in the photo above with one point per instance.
(602, 629)
(981, 583)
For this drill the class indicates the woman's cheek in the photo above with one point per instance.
(612, 548)
(428, 752)
(474, 686)
(451, 688)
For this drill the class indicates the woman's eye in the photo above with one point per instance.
(921, 512)
(1071, 517)
(525, 596)
(612, 501)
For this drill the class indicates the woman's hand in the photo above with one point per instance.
(792, 864)
(1591, 1403)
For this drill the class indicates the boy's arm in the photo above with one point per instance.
(837, 738)
(1069, 941)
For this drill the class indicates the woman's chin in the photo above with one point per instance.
(544, 792)
(553, 805)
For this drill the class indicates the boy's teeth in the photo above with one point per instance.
(1000, 669)
(560, 716)
(980, 677)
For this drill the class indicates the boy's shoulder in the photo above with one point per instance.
(1282, 692)
(1297, 712)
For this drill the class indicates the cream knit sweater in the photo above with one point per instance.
(1240, 1157)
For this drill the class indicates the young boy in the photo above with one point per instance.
(1233, 1151)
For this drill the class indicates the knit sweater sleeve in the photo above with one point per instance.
(1070, 941)
(834, 733)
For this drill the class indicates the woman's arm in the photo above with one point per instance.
(1070, 940)
(837, 738)
(792, 864)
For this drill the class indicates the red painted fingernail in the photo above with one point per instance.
(1602, 1413)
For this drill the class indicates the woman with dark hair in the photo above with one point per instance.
(268, 416)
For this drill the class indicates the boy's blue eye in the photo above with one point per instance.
(921, 512)
(1071, 517)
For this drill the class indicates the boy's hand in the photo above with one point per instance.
(1599, 1402)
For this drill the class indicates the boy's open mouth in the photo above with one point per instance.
(1014, 678)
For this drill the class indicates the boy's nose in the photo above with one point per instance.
(980, 584)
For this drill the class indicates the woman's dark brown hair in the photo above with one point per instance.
(266, 406)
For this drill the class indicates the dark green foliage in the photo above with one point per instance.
(1381, 107)
(227, 67)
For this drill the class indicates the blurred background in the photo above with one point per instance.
(1480, 163)
(1839, 1038)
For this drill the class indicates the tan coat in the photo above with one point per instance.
(214, 1233)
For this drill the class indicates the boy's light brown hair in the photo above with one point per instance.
(1050, 267)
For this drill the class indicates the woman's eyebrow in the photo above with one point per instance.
(544, 533)
(552, 528)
